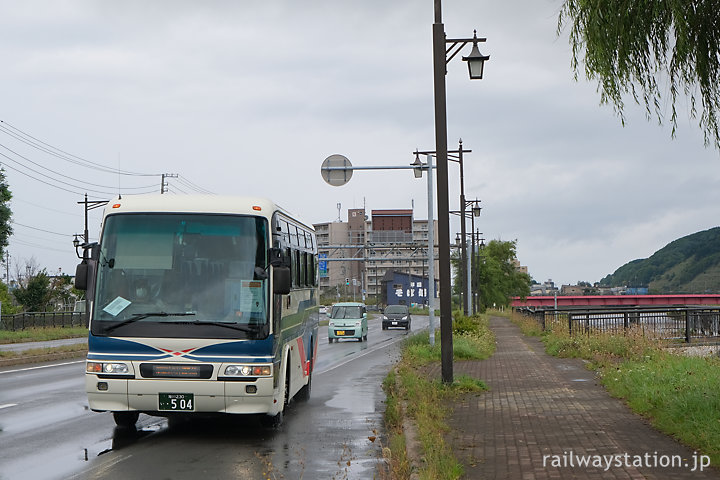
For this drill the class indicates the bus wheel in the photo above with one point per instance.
(303, 395)
(286, 401)
(272, 421)
(126, 419)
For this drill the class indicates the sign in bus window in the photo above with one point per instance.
(117, 306)
(246, 298)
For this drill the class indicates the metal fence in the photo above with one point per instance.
(671, 323)
(21, 321)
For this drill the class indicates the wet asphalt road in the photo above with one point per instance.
(47, 431)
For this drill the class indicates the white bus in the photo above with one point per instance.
(199, 304)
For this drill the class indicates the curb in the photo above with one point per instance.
(412, 445)
(45, 357)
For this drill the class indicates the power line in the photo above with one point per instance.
(145, 187)
(82, 189)
(175, 187)
(192, 185)
(34, 142)
(44, 207)
(41, 230)
(34, 245)
(69, 157)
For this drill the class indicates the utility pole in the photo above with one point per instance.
(90, 205)
(163, 185)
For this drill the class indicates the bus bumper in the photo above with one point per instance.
(209, 396)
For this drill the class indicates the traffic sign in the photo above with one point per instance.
(336, 170)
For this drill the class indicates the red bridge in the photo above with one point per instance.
(615, 300)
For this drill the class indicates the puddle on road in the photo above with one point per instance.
(124, 437)
(358, 399)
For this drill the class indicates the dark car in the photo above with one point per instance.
(396, 316)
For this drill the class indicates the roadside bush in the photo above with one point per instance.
(465, 325)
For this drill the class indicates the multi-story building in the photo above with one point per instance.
(355, 256)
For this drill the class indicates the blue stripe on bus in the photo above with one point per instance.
(122, 356)
(238, 359)
(115, 345)
(244, 350)
(251, 348)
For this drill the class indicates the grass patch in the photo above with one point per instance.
(528, 325)
(71, 350)
(411, 394)
(677, 394)
(42, 334)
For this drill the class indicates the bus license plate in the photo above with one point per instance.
(340, 332)
(183, 402)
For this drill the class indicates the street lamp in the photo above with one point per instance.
(337, 170)
(468, 209)
(475, 213)
(440, 60)
(76, 243)
(476, 60)
(455, 156)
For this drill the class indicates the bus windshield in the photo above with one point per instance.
(182, 275)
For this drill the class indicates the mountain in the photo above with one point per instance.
(689, 264)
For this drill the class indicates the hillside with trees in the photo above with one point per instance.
(689, 264)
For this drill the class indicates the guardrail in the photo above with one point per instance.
(671, 323)
(21, 321)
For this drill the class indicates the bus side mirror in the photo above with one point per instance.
(277, 258)
(81, 276)
(281, 280)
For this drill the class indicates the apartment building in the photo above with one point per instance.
(357, 254)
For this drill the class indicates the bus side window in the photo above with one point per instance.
(303, 269)
(315, 270)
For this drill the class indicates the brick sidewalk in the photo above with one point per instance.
(541, 408)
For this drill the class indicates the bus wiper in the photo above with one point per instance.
(140, 316)
(234, 326)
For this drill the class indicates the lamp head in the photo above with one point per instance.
(476, 60)
(417, 171)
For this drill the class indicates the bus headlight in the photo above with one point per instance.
(107, 368)
(248, 371)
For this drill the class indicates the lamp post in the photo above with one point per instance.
(89, 205)
(475, 213)
(475, 66)
(468, 209)
(478, 242)
(457, 156)
(337, 170)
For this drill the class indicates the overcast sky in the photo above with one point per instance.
(249, 97)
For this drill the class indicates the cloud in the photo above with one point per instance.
(249, 98)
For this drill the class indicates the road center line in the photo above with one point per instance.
(362, 353)
(7, 405)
